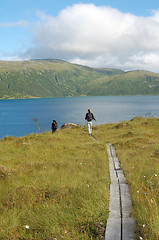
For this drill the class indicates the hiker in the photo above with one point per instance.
(54, 126)
(89, 117)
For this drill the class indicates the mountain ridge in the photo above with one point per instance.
(57, 78)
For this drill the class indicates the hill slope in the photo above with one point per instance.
(45, 78)
(129, 83)
(57, 78)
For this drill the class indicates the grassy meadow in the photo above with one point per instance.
(56, 186)
(137, 147)
(53, 186)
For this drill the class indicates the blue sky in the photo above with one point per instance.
(112, 33)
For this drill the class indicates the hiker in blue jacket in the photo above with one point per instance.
(89, 117)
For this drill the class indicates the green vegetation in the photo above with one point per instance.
(47, 78)
(56, 186)
(57, 78)
(137, 147)
(129, 83)
(53, 186)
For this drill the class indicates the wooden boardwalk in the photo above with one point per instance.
(120, 223)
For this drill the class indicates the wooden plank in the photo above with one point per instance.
(116, 163)
(126, 205)
(128, 223)
(121, 177)
(119, 227)
(113, 229)
(128, 229)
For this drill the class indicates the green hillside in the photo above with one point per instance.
(129, 83)
(57, 78)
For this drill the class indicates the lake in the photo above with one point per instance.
(16, 116)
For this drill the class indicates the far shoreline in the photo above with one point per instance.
(125, 95)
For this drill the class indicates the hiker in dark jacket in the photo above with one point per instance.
(89, 117)
(54, 126)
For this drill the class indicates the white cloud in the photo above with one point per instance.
(98, 36)
(14, 24)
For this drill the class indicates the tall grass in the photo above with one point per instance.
(53, 186)
(137, 148)
(56, 186)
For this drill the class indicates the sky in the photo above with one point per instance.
(99, 33)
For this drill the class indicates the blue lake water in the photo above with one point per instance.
(16, 116)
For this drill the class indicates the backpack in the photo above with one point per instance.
(89, 117)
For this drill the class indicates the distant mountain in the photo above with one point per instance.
(57, 78)
(128, 83)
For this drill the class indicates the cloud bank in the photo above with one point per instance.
(99, 37)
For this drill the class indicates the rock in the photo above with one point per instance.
(70, 125)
